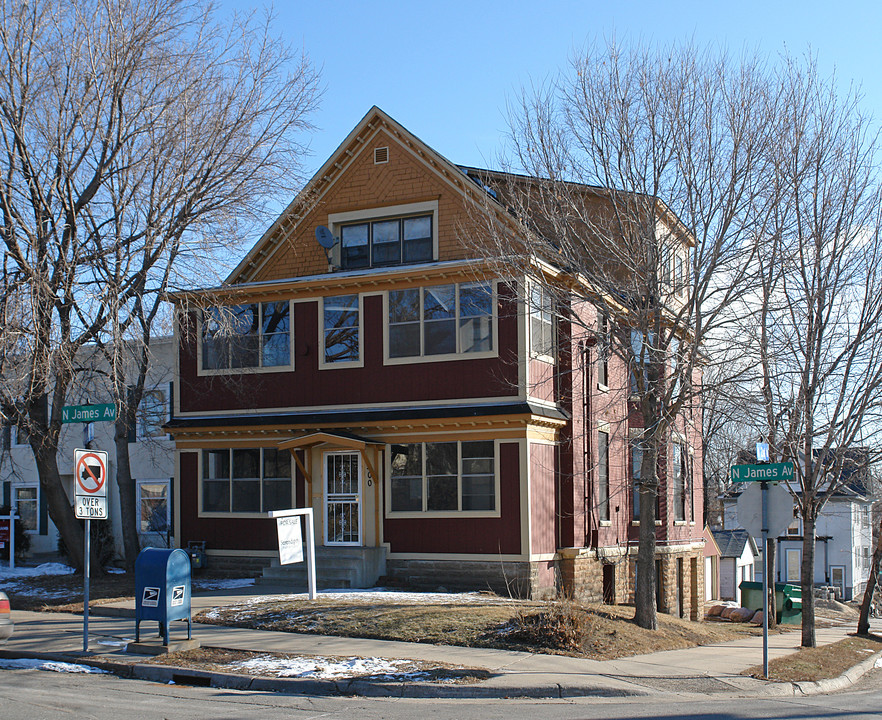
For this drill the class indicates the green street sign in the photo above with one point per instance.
(774, 472)
(88, 413)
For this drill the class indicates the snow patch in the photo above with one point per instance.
(52, 568)
(31, 664)
(222, 584)
(321, 668)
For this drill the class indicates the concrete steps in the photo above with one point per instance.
(335, 567)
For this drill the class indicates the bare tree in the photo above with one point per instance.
(820, 311)
(138, 138)
(642, 172)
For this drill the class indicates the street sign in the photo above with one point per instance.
(774, 472)
(105, 412)
(90, 484)
(750, 509)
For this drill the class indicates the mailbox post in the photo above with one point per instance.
(162, 589)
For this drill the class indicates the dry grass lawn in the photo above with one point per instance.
(820, 663)
(600, 632)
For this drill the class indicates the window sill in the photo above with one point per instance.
(548, 359)
(605, 523)
(603, 388)
(202, 372)
(447, 357)
(679, 523)
(441, 515)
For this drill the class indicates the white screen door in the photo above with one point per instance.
(342, 499)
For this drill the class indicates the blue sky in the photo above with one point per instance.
(446, 69)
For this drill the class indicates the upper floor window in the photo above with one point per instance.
(391, 241)
(440, 320)
(256, 335)
(541, 322)
(151, 414)
(341, 336)
(603, 347)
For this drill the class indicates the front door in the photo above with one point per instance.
(342, 498)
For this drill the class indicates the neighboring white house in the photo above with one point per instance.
(843, 544)
(738, 553)
(151, 456)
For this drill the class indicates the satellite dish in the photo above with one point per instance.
(325, 237)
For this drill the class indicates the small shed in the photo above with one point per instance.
(738, 552)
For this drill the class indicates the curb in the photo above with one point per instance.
(166, 674)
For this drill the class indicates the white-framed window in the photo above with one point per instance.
(248, 336)
(441, 320)
(341, 330)
(603, 475)
(443, 477)
(678, 480)
(27, 502)
(387, 241)
(542, 325)
(245, 480)
(152, 414)
(154, 514)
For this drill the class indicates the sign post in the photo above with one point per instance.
(90, 498)
(761, 514)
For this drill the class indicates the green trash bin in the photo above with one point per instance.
(789, 603)
(751, 595)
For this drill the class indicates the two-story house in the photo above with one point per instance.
(445, 427)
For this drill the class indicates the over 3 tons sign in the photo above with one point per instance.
(90, 484)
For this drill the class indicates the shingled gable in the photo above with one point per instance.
(348, 178)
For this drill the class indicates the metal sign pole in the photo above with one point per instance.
(86, 589)
(765, 490)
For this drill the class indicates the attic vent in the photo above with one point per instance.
(381, 155)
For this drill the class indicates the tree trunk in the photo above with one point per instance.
(807, 579)
(863, 627)
(126, 486)
(645, 592)
(771, 546)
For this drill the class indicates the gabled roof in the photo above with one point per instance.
(733, 542)
(336, 164)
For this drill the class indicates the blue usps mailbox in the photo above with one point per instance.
(162, 589)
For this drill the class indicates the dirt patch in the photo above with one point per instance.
(599, 632)
(244, 662)
(820, 663)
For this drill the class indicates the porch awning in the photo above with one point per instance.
(335, 438)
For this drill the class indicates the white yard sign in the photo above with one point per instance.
(290, 539)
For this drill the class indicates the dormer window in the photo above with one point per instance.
(391, 241)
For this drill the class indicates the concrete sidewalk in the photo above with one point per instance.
(707, 670)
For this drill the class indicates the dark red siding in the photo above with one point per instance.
(307, 386)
